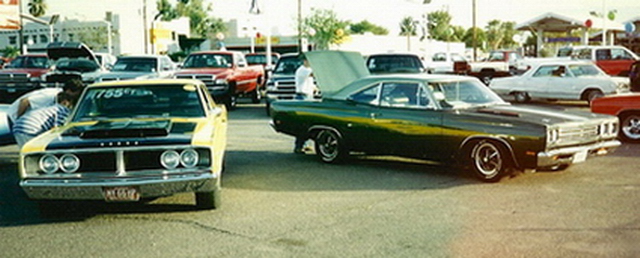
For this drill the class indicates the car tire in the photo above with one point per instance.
(208, 200)
(330, 147)
(594, 94)
(629, 127)
(255, 95)
(489, 161)
(521, 97)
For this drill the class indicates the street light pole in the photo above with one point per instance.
(473, 27)
(299, 26)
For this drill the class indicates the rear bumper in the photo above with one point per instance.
(93, 189)
(569, 155)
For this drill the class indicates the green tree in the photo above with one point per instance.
(96, 39)
(408, 26)
(481, 37)
(439, 24)
(37, 8)
(500, 34)
(10, 52)
(324, 28)
(366, 26)
(199, 22)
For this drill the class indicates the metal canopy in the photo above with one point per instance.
(551, 22)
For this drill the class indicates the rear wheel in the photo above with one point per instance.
(521, 97)
(630, 127)
(489, 161)
(329, 146)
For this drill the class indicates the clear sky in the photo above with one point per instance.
(389, 13)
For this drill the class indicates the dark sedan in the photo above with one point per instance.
(439, 118)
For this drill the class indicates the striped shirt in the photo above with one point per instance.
(41, 120)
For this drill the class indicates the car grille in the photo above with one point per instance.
(95, 162)
(286, 89)
(62, 78)
(570, 135)
(207, 79)
(14, 77)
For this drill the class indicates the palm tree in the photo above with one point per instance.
(37, 8)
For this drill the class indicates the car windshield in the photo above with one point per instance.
(287, 66)
(585, 70)
(39, 62)
(208, 60)
(77, 65)
(394, 64)
(135, 65)
(260, 59)
(147, 101)
(464, 93)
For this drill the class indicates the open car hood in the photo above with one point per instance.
(57, 50)
(334, 70)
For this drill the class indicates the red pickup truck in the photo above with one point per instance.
(22, 75)
(613, 60)
(226, 74)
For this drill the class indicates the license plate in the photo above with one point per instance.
(580, 156)
(121, 194)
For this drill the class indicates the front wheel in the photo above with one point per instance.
(330, 147)
(489, 161)
(255, 95)
(630, 127)
(594, 94)
(521, 97)
(208, 200)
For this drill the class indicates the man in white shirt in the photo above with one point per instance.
(305, 89)
(41, 98)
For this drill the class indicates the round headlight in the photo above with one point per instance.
(69, 163)
(170, 159)
(49, 164)
(189, 158)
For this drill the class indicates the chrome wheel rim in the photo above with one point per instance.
(631, 127)
(487, 159)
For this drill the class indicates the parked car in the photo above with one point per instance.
(226, 73)
(22, 75)
(613, 60)
(627, 108)
(281, 85)
(443, 62)
(553, 80)
(444, 118)
(128, 141)
(499, 63)
(140, 67)
(73, 60)
(394, 63)
(261, 59)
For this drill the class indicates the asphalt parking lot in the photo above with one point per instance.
(278, 204)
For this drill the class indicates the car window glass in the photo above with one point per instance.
(403, 95)
(603, 54)
(545, 71)
(141, 101)
(465, 93)
(584, 70)
(620, 54)
(367, 96)
(288, 66)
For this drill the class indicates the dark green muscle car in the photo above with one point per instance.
(442, 118)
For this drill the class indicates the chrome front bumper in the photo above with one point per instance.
(569, 155)
(93, 189)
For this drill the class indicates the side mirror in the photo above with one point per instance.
(216, 111)
(439, 96)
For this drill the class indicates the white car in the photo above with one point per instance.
(554, 80)
(443, 62)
